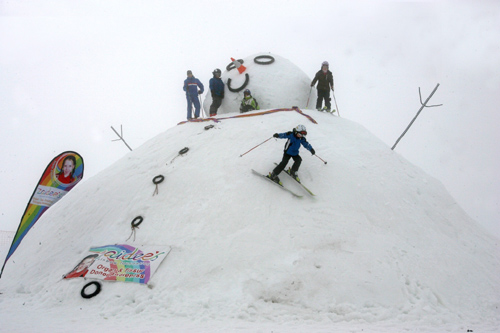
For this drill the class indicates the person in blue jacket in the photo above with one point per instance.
(191, 85)
(295, 138)
(217, 92)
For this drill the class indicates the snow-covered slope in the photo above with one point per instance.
(382, 245)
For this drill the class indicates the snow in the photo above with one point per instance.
(6, 239)
(382, 247)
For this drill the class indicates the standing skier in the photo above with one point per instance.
(325, 82)
(191, 85)
(217, 91)
(295, 138)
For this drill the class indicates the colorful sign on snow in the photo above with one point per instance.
(120, 262)
(59, 177)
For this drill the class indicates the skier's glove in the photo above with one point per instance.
(200, 92)
(313, 151)
(276, 135)
(222, 96)
(312, 84)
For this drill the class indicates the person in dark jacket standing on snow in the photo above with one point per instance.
(191, 85)
(296, 137)
(217, 90)
(325, 82)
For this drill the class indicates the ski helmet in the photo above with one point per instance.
(247, 91)
(325, 63)
(216, 71)
(300, 129)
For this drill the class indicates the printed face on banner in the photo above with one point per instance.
(83, 267)
(65, 171)
(120, 262)
(63, 174)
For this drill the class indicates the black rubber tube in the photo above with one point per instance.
(232, 65)
(247, 78)
(257, 58)
(137, 221)
(158, 179)
(96, 291)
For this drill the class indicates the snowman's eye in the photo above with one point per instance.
(232, 65)
(258, 60)
(269, 59)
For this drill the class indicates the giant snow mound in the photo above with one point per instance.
(381, 241)
(275, 82)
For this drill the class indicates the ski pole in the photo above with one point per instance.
(309, 97)
(256, 146)
(202, 108)
(320, 158)
(335, 100)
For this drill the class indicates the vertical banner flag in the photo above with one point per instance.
(60, 176)
(120, 262)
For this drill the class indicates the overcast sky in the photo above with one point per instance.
(71, 69)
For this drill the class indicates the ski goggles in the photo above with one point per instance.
(303, 133)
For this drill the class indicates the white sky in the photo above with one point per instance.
(71, 69)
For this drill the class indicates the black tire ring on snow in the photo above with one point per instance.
(232, 65)
(271, 59)
(247, 78)
(158, 179)
(137, 221)
(184, 150)
(96, 291)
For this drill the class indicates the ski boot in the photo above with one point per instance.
(293, 175)
(274, 178)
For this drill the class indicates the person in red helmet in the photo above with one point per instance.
(325, 82)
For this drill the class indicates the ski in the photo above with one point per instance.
(287, 171)
(303, 186)
(281, 186)
(325, 109)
